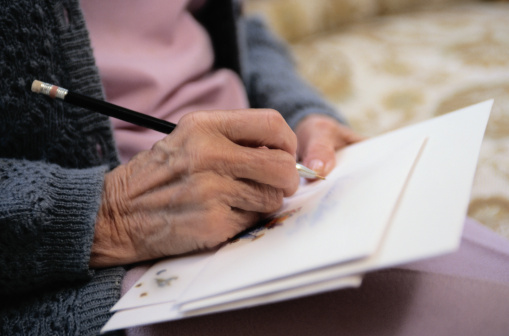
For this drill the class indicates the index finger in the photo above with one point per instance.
(255, 128)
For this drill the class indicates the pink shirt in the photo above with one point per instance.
(155, 58)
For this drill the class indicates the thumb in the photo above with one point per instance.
(319, 156)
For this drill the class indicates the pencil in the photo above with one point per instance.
(125, 114)
(103, 107)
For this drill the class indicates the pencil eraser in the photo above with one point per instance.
(36, 86)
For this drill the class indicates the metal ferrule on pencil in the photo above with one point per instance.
(51, 90)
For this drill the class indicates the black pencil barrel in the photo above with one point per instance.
(119, 112)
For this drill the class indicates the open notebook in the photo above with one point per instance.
(392, 199)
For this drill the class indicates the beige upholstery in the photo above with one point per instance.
(389, 63)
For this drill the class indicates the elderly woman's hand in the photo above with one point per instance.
(319, 137)
(213, 177)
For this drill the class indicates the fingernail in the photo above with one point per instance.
(316, 165)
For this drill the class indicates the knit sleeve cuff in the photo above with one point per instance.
(74, 197)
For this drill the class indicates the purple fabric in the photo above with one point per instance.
(464, 293)
(156, 59)
(483, 254)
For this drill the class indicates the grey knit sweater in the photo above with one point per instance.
(53, 156)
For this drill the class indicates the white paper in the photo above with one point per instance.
(286, 294)
(344, 233)
(430, 218)
(163, 312)
(335, 228)
(164, 281)
(427, 221)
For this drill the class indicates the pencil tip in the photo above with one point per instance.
(36, 86)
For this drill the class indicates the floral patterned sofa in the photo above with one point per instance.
(389, 63)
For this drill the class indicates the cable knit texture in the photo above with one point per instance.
(53, 157)
(53, 160)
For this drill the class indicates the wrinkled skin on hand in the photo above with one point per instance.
(214, 176)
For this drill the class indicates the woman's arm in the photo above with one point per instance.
(272, 81)
(271, 78)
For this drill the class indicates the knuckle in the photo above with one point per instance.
(270, 199)
(275, 120)
(275, 200)
(159, 149)
(191, 118)
(280, 131)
